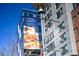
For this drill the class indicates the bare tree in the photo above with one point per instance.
(14, 47)
(9, 48)
(2, 52)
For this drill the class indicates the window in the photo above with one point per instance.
(64, 50)
(74, 17)
(53, 54)
(77, 41)
(48, 16)
(46, 19)
(48, 6)
(59, 13)
(50, 23)
(64, 37)
(45, 10)
(76, 31)
(51, 47)
(57, 5)
(46, 27)
(51, 35)
(78, 13)
(46, 40)
(50, 13)
(75, 5)
(48, 50)
(61, 26)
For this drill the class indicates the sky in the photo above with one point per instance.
(10, 15)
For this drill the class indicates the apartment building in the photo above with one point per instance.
(75, 19)
(58, 33)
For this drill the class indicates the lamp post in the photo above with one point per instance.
(41, 13)
(40, 8)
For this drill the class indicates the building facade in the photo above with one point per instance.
(58, 33)
(75, 18)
